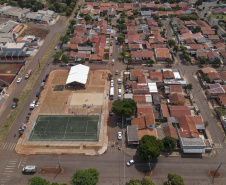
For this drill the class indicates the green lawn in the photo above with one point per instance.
(218, 16)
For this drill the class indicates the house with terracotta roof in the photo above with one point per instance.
(136, 55)
(156, 76)
(161, 54)
(177, 99)
(147, 55)
(140, 88)
(152, 23)
(71, 55)
(147, 131)
(189, 139)
(222, 100)
(213, 76)
(134, 73)
(175, 89)
(178, 111)
(220, 45)
(142, 98)
(168, 74)
(223, 76)
(208, 70)
(164, 111)
(212, 56)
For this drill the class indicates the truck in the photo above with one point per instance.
(28, 74)
(111, 93)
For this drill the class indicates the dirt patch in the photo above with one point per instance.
(216, 175)
(38, 32)
(10, 68)
(48, 170)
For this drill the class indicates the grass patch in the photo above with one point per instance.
(91, 147)
(10, 119)
(223, 17)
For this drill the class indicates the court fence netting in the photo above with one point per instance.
(65, 128)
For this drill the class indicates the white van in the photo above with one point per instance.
(119, 81)
(29, 169)
(119, 92)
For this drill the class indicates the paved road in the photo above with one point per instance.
(112, 164)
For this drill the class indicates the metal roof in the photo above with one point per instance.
(78, 73)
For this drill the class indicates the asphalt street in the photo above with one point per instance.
(112, 165)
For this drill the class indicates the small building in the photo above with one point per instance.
(177, 99)
(222, 100)
(132, 135)
(178, 111)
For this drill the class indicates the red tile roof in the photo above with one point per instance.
(170, 131)
(188, 126)
(168, 74)
(208, 70)
(222, 98)
(213, 75)
(139, 97)
(165, 111)
(176, 97)
(178, 111)
(175, 89)
(136, 72)
(211, 54)
(150, 132)
(155, 76)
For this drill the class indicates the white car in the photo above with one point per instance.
(112, 83)
(32, 105)
(119, 135)
(129, 163)
(29, 169)
(113, 60)
(19, 80)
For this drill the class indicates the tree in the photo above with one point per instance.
(73, 22)
(135, 12)
(144, 181)
(120, 39)
(131, 17)
(198, 2)
(64, 58)
(69, 11)
(147, 38)
(84, 177)
(15, 100)
(216, 28)
(64, 39)
(149, 147)
(57, 55)
(176, 48)
(134, 182)
(126, 107)
(169, 142)
(150, 62)
(171, 42)
(159, 24)
(169, 61)
(189, 87)
(156, 17)
(109, 76)
(38, 181)
(197, 29)
(217, 61)
(87, 18)
(202, 60)
(174, 179)
(106, 56)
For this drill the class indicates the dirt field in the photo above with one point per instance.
(87, 98)
(10, 68)
(38, 32)
(72, 98)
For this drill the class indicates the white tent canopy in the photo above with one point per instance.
(78, 73)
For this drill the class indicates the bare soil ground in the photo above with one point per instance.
(38, 32)
(217, 175)
(10, 68)
(72, 98)
(48, 170)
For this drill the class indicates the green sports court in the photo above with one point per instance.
(66, 128)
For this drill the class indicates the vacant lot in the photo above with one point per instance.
(38, 32)
(222, 17)
(10, 68)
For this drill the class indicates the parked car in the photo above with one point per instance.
(63, 65)
(55, 47)
(119, 97)
(44, 79)
(116, 72)
(119, 135)
(113, 60)
(38, 94)
(119, 92)
(29, 169)
(119, 87)
(119, 81)
(19, 80)
(71, 64)
(32, 105)
(110, 113)
(47, 75)
(112, 83)
(129, 163)
(14, 105)
(223, 123)
(42, 84)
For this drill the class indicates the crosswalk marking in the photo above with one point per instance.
(8, 146)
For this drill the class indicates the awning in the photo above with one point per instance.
(194, 151)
